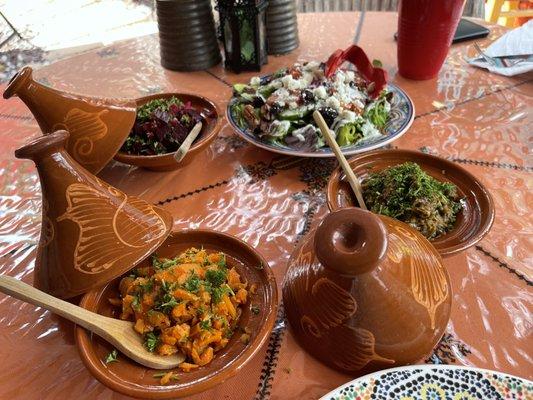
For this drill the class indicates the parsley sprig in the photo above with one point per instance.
(112, 357)
(151, 341)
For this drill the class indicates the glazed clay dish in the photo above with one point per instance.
(91, 232)
(365, 292)
(132, 379)
(97, 126)
(211, 120)
(473, 221)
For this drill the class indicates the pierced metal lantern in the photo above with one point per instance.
(243, 33)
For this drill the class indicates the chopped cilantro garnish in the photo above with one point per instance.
(166, 301)
(145, 111)
(167, 305)
(163, 264)
(255, 310)
(228, 333)
(207, 287)
(112, 357)
(167, 287)
(222, 262)
(192, 284)
(136, 302)
(151, 340)
(218, 293)
(148, 286)
(216, 277)
(205, 324)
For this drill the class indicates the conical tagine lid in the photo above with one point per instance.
(97, 127)
(91, 232)
(365, 292)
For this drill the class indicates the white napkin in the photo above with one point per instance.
(513, 52)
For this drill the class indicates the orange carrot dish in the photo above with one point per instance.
(189, 304)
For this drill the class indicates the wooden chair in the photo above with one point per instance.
(473, 8)
(495, 11)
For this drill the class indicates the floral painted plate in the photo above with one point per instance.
(432, 382)
(401, 118)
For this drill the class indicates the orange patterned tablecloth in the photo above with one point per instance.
(479, 120)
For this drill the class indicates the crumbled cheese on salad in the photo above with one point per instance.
(283, 105)
(369, 130)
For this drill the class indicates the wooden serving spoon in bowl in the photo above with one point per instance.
(332, 143)
(119, 333)
(186, 145)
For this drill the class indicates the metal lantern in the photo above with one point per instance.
(243, 33)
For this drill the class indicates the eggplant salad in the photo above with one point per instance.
(278, 108)
(409, 194)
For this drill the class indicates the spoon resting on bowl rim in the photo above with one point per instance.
(350, 176)
(119, 333)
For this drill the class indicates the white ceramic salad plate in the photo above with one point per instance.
(400, 118)
(435, 382)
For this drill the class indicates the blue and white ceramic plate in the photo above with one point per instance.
(434, 382)
(401, 118)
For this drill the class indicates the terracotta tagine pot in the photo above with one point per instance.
(97, 127)
(365, 292)
(91, 232)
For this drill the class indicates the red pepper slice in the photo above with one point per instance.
(356, 55)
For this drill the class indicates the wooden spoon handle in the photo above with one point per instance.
(29, 294)
(332, 143)
(185, 146)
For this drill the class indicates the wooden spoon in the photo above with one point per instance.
(332, 143)
(186, 145)
(119, 333)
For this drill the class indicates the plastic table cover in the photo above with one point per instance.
(479, 120)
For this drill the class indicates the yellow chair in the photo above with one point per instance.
(507, 9)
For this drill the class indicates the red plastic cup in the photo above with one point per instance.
(425, 33)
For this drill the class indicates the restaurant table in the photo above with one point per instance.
(482, 121)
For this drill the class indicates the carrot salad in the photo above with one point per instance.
(189, 304)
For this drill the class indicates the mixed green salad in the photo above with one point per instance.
(278, 108)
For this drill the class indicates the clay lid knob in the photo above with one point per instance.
(43, 145)
(351, 241)
(17, 81)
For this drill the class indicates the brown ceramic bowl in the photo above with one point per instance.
(132, 379)
(212, 122)
(473, 221)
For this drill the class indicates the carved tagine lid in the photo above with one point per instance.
(365, 292)
(98, 126)
(91, 232)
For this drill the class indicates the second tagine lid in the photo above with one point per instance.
(91, 231)
(97, 126)
(365, 292)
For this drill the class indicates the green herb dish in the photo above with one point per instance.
(407, 193)
(275, 111)
(438, 197)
